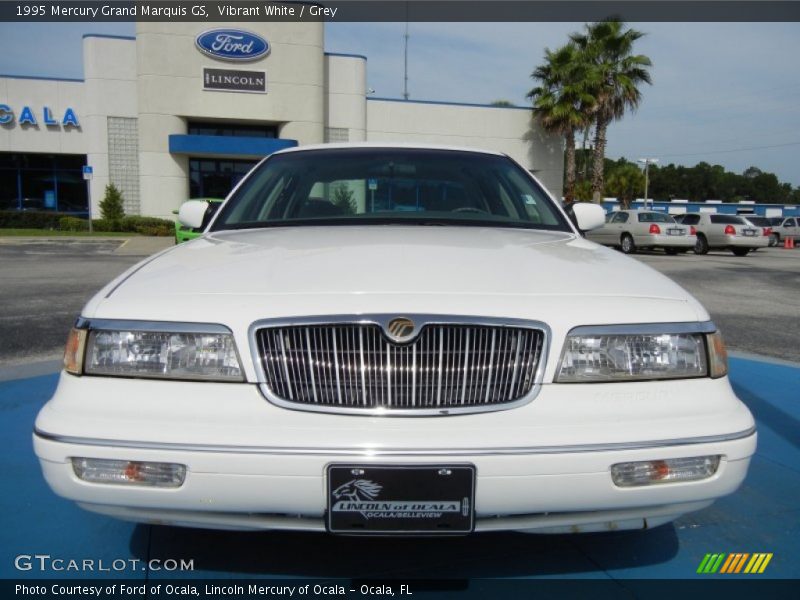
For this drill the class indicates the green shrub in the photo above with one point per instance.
(105, 225)
(73, 224)
(148, 225)
(16, 219)
(30, 219)
(111, 206)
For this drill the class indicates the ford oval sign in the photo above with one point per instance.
(232, 44)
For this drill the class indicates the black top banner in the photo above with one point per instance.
(400, 11)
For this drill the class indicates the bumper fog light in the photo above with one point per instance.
(670, 470)
(125, 472)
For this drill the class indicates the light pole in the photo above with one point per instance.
(646, 162)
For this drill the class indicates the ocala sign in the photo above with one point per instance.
(27, 116)
(232, 44)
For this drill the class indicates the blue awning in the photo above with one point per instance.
(227, 145)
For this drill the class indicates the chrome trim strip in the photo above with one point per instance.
(372, 452)
(645, 328)
(155, 326)
(383, 320)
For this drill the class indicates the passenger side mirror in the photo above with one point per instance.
(191, 213)
(588, 216)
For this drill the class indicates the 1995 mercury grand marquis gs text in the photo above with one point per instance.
(382, 339)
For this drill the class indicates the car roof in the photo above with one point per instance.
(386, 145)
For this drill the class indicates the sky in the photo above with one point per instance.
(724, 93)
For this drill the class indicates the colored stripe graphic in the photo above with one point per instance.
(711, 563)
(728, 563)
(734, 563)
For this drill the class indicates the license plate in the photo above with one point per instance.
(675, 231)
(749, 232)
(401, 499)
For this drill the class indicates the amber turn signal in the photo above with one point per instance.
(73, 352)
(717, 355)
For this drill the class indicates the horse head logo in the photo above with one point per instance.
(358, 490)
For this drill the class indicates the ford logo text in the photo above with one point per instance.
(232, 44)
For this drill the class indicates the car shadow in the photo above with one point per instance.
(765, 413)
(487, 555)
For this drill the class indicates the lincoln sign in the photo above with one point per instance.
(229, 80)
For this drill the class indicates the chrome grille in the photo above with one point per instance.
(354, 366)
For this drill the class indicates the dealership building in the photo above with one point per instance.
(184, 110)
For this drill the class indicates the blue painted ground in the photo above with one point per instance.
(763, 516)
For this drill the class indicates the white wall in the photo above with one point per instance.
(505, 130)
(109, 66)
(346, 85)
(37, 93)
(170, 93)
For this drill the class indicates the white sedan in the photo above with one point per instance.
(375, 339)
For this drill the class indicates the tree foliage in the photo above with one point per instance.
(595, 79)
(343, 198)
(616, 73)
(502, 103)
(112, 206)
(702, 182)
(591, 81)
(562, 103)
(625, 182)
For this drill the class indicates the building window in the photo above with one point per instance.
(212, 178)
(232, 130)
(123, 160)
(337, 134)
(42, 182)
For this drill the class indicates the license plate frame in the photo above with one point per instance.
(405, 499)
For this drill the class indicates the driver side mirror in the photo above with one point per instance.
(191, 213)
(587, 216)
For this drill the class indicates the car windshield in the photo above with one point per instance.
(759, 221)
(389, 186)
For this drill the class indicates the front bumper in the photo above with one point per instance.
(251, 465)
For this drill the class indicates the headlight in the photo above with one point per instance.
(161, 350)
(623, 354)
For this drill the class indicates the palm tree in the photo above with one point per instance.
(562, 103)
(607, 47)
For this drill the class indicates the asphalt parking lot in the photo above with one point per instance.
(47, 282)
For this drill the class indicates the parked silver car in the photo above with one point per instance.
(785, 226)
(630, 230)
(765, 223)
(732, 232)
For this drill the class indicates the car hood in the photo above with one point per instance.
(243, 276)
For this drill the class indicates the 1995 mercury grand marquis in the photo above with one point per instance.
(383, 339)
